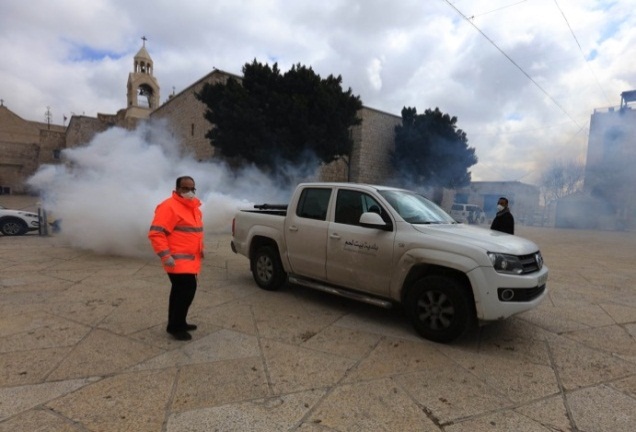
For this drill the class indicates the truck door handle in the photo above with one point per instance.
(293, 228)
(334, 236)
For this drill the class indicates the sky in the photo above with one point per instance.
(522, 76)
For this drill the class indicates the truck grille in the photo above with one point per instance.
(531, 263)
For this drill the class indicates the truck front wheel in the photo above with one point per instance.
(440, 308)
(267, 269)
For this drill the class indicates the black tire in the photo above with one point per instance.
(440, 308)
(13, 227)
(267, 269)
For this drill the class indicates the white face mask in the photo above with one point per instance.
(500, 207)
(188, 195)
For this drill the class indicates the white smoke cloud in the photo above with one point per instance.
(106, 193)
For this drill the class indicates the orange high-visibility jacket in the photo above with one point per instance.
(177, 232)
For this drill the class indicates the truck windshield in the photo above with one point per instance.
(416, 209)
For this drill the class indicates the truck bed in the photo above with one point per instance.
(273, 209)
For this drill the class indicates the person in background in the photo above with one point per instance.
(503, 220)
(176, 236)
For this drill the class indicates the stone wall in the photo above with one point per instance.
(23, 145)
(184, 114)
(336, 171)
(14, 129)
(51, 144)
(374, 141)
(82, 129)
(19, 161)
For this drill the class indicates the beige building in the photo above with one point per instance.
(184, 115)
(25, 145)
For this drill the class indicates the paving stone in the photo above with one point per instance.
(125, 402)
(602, 408)
(102, 353)
(220, 345)
(549, 412)
(31, 331)
(450, 393)
(83, 348)
(504, 421)
(211, 384)
(15, 400)
(291, 368)
(371, 406)
(263, 415)
(580, 366)
(39, 420)
(30, 367)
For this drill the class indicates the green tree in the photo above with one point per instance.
(431, 151)
(269, 119)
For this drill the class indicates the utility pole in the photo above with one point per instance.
(48, 116)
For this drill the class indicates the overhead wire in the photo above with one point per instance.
(582, 53)
(554, 101)
(498, 9)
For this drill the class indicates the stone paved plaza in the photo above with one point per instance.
(83, 348)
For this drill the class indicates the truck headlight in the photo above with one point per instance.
(504, 263)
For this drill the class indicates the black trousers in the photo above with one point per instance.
(184, 286)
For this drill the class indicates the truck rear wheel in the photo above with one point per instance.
(440, 308)
(267, 269)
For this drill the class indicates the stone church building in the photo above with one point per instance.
(25, 144)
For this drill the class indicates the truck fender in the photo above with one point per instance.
(261, 234)
(416, 263)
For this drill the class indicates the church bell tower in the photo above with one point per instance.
(143, 88)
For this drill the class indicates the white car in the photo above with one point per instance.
(468, 213)
(17, 222)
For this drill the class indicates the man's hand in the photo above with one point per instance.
(169, 262)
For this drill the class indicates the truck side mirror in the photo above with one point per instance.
(374, 220)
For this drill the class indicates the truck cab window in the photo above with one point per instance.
(313, 203)
(351, 204)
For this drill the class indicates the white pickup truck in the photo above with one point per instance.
(388, 246)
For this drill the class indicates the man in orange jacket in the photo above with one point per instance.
(176, 235)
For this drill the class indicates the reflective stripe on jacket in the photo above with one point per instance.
(177, 231)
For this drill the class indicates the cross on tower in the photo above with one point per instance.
(144, 38)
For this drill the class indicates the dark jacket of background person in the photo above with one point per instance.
(504, 222)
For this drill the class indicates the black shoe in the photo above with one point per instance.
(185, 327)
(181, 335)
